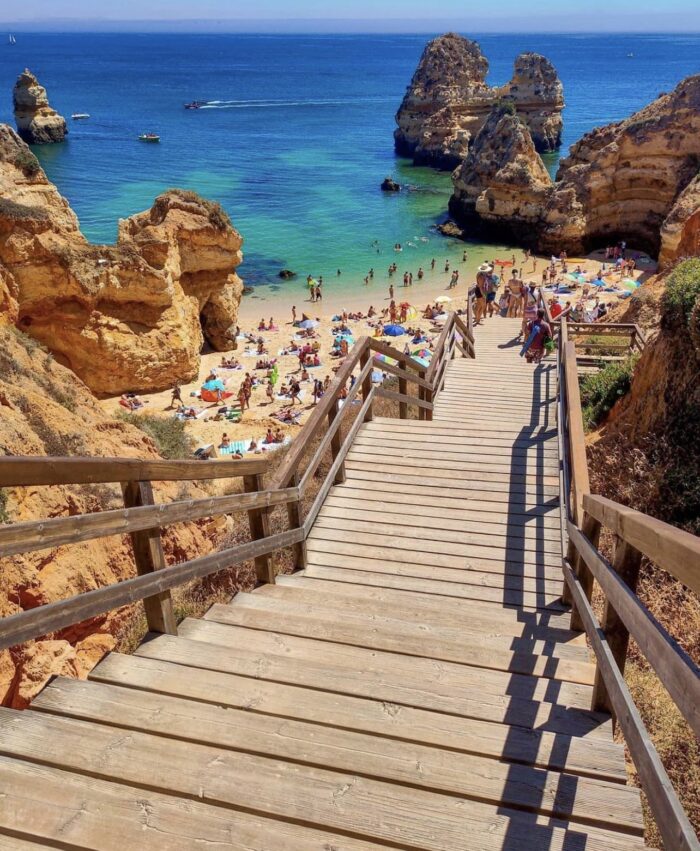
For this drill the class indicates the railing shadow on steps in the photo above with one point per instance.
(142, 518)
(583, 516)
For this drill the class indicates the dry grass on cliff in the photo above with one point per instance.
(657, 471)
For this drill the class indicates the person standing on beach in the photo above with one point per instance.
(432, 264)
(319, 296)
(242, 398)
(420, 273)
(391, 291)
(294, 315)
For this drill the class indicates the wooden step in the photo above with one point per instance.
(368, 808)
(577, 799)
(309, 620)
(589, 756)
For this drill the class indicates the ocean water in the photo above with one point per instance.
(300, 134)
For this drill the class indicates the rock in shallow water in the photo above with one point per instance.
(390, 185)
(37, 123)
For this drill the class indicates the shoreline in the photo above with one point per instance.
(354, 297)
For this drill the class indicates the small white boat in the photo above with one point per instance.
(77, 116)
(12, 39)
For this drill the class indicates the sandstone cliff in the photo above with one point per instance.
(621, 181)
(129, 316)
(448, 101)
(680, 232)
(502, 184)
(46, 410)
(37, 123)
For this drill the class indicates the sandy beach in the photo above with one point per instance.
(207, 429)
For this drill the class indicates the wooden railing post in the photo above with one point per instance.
(626, 563)
(403, 407)
(591, 529)
(367, 383)
(149, 557)
(296, 521)
(336, 443)
(421, 396)
(259, 521)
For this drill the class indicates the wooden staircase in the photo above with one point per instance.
(416, 686)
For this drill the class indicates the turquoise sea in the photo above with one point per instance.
(300, 134)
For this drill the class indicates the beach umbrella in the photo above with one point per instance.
(485, 267)
(213, 385)
(411, 313)
(393, 330)
(308, 323)
(377, 376)
(629, 284)
(443, 299)
(385, 359)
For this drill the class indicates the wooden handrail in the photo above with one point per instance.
(672, 549)
(36, 535)
(674, 825)
(624, 614)
(24, 626)
(23, 471)
(673, 666)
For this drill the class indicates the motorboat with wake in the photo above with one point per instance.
(196, 104)
(80, 116)
(149, 137)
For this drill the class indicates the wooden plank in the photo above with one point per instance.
(498, 527)
(594, 757)
(451, 444)
(149, 557)
(19, 471)
(626, 563)
(491, 507)
(673, 666)
(672, 821)
(577, 441)
(473, 584)
(404, 399)
(295, 517)
(470, 552)
(13, 843)
(418, 607)
(491, 483)
(259, 522)
(77, 810)
(383, 633)
(370, 809)
(15, 629)
(383, 348)
(459, 460)
(41, 534)
(411, 377)
(591, 529)
(671, 548)
(576, 799)
(425, 537)
(372, 673)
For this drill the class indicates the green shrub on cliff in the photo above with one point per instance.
(682, 290)
(600, 391)
(169, 435)
(27, 163)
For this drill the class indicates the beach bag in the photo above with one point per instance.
(549, 345)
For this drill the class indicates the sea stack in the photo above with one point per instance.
(634, 180)
(37, 123)
(502, 185)
(448, 101)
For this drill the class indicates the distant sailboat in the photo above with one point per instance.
(12, 39)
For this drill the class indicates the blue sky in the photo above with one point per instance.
(356, 15)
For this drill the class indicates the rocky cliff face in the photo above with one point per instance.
(680, 232)
(448, 101)
(37, 123)
(502, 184)
(618, 182)
(129, 316)
(46, 410)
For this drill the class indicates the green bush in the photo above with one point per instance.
(26, 162)
(169, 435)
(682, 290)
(4, 516)
(600, 391)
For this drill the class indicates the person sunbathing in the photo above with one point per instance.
(225, 441)
(131, 401)
(261, 348)
(262, 326)
(279, 436)
(269, 437)
(253, 445)
(304, 374)
(190, 414)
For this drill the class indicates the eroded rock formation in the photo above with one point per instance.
(502, 182)
(46, 410)
(448, 101)
(680, 232)
(37, 123)
(623, 181)
(129, 316)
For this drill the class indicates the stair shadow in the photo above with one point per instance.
(523, 503)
